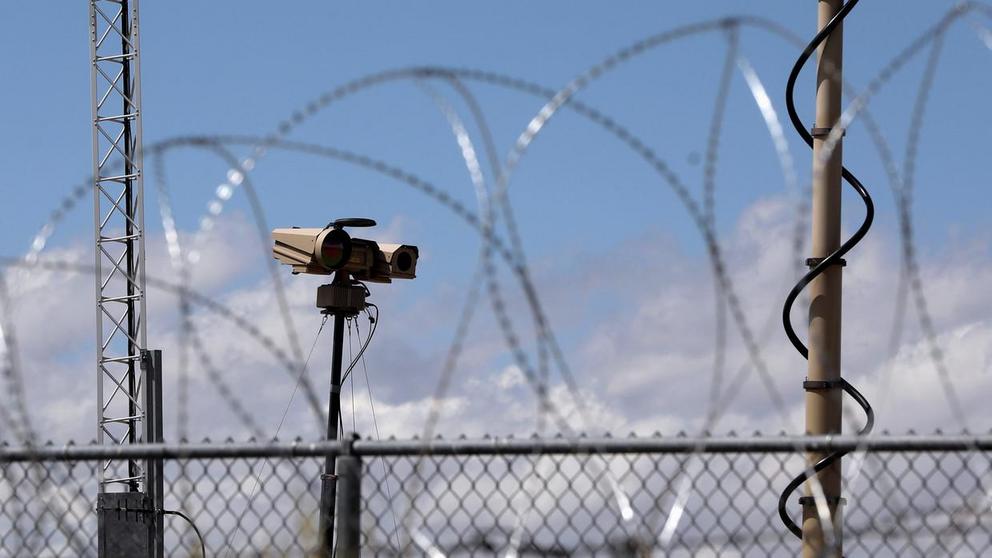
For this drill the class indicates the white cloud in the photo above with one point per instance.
(512, 376)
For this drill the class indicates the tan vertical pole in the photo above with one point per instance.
(823, 406)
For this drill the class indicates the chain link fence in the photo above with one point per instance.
(919, 496)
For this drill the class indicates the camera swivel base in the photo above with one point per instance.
(341, 298)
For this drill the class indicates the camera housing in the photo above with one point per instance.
(331, 249)
(402, 259)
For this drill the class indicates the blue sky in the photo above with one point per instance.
(580, 197)
(240, 67)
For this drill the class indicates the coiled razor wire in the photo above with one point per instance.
(46, 231)
(495, 79)
(216, 205)
(902, 192)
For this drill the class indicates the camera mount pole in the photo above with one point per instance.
(824, 406)
(351, 260)
(340, 299)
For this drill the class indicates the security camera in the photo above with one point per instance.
(311, 250)
(402, 259)
(331, 249)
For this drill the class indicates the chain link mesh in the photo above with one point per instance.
(903, 503)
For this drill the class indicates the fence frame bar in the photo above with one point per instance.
(504, 446)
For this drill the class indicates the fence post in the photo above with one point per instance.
(824, 406)
(349, 503)
(151, 366)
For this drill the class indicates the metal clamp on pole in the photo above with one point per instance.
(817, 385)
(813, 262)
(831, 501)
(819, 133)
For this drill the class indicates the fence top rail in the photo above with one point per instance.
(501, 446)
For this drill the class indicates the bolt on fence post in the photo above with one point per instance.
(349, 503)
(823, 407)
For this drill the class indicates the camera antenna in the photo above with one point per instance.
(354, 222)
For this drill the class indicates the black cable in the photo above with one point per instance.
(819, 268)
(203, 548)
(375, 325)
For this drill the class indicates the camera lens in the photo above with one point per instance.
(334, 250)
(404, 261)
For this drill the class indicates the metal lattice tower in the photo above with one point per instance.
(119, 233)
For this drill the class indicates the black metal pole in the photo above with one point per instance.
(328, 486)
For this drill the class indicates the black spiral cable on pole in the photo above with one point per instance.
(819, 267)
